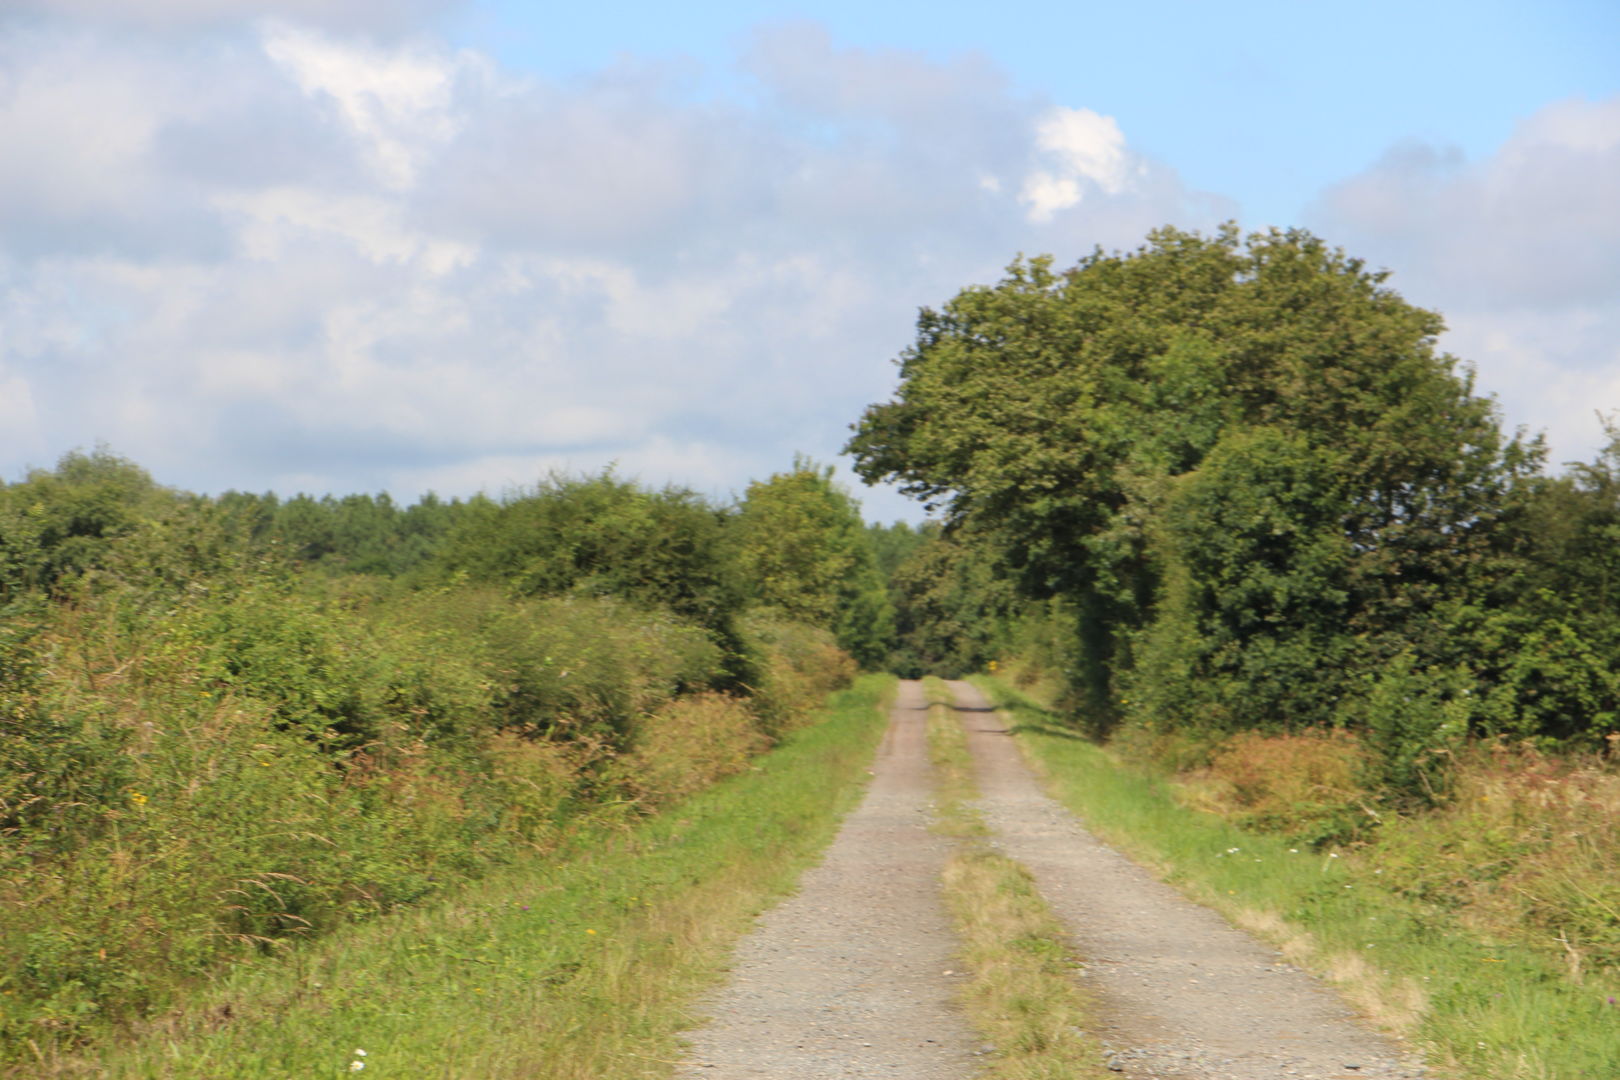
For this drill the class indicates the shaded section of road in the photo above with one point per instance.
(1181, 995)
(847, 979)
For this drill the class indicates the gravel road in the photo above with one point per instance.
(853, 977)
(848, 978)
(1181, 994)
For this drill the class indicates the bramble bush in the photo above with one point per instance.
(263, 764)
(208, 754)
(795, 666)
(1527, 850)
(1313, 786)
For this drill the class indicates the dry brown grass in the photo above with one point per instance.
(1022, 995)
(1528, 850)
(1312, 784)
(688, 745)
(1394, 1003)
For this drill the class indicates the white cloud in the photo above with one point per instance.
(276, 256)
(1077, 147)
(274, 221)
(396, 100)
(183, 14)
(1519, 250)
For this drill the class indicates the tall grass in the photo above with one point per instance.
(1486, 1006)
(207, 779)
(583, 965)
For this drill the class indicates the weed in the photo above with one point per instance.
(1310, 786)
(1022, 995)
(581, 966)
(211, 783)
(1527, 851)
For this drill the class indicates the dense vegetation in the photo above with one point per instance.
(228, 724)
(1220, 499)
(1241, 476)
(1223, 502)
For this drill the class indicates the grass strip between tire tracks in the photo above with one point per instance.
(580, 968)
(1479, 1010)
(1022, 996)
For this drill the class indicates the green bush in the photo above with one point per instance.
(797, 666)
(270, 757)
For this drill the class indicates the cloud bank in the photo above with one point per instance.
(269, 255)
(1521, 252)
(297, 244)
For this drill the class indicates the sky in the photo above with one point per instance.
(413, 245)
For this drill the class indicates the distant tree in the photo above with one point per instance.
(57, 523)
(802, 548)
(601, 536)
(893, 544)
(950, 607)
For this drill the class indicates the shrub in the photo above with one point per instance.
(797, 665)
(688, 745)
(1527, 850)
(1310, 785)
(267, 758)
(1415, 719)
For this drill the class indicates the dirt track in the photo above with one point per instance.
(849, 978)
(846, 979)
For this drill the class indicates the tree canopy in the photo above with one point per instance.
(1242, 459)
(802, 548)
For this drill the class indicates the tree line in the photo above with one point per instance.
(229, 723)
(1229, 483)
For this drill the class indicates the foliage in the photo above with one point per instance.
(799, 664)
(1311, 786)
(802, 549)
(1528, 851)
(601, 536)
(688, 745)
(892, 544)
(362, 534)
(581, 964)
(209, 754)
(950, 608)
(56, 524)
(1253, 484)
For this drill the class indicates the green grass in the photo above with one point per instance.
(1479, 1010)
(954, 790)
(1022, 995)
(585, 965)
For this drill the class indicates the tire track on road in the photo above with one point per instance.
(847, 978)
(1181, 994)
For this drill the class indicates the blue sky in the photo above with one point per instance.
(1266, 102)
(340, 245)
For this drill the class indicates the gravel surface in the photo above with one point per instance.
(849, 977)
(1181, 995)
(853, 976)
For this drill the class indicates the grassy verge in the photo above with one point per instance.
(584, 966)
(1480, 1010)
(1022, 996)
(954, 790)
